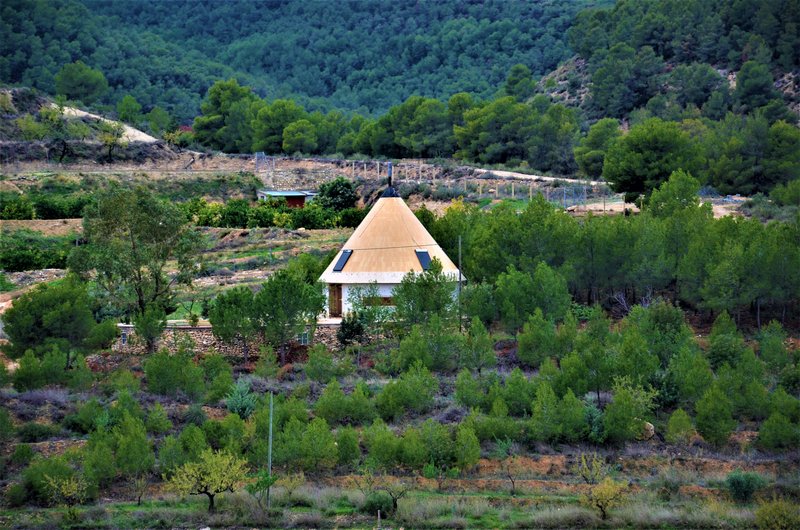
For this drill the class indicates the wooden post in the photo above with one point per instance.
(353, 171)
(419, 170)
(530, 192)
(480, 189)
(512, 190)
(378, 169)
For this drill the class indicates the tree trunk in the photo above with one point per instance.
(210, 502)
(758, 313)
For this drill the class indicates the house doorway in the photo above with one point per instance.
(335, 299)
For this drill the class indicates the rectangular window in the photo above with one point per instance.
(124, 338)
(302, 338)
(342, 260)
(424, 259)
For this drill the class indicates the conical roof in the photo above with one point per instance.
(389, 243)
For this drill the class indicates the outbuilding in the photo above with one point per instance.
(388, 244)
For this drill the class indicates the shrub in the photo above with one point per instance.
(742, 485)
(167, 374)
(195, 415)
(777, 432)
(6, 426)
(28, 375)
(414, 390)
(537, 340)
(134, 451)
(80, 377)
(22, 455)
(332, 404)
(468, 390)
(123, 380)
(240, 400)
(467, 448)
(347, 445)
(778, 514)
(36, 432)
(714, 416)
(98, 459)
(377, 501)
(605, 496)
(382, 445)
(34, 477)
(16, 495)
(320, 366)
(219, 373)
(267, 365)
(85, 418)
(157, 420)
(679, 428)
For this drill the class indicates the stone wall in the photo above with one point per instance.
(205, 342)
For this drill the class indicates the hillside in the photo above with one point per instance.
(349, 55)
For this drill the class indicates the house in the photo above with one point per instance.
(294, 198)
(388, 244)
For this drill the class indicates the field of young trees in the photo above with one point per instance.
(605, 371)
(601, 371)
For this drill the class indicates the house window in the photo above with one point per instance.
(124, 338)
(302, 338)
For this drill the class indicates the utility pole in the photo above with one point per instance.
(269, 447)
(459, 282)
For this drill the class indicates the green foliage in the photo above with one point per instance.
(591, 151)
(537, 340)
(742, 485)
(167, 374)
(420, 296)
(23, 250)
(413, 391)
(467, 448)
(777, 514)
(241, 400)
(132, 235)
(22, 455)
(51, 315)
(36, 432)
(34, 477)
(337, 194)
(85, 418)
(644, 158)
(714, 416)
(726, 344)
(212, 474)
(284, 306)
(157, 421)
(679, 428)
(79, 82)
(377, 501)
(347, 445)
(778, 433)
(624, 417)
(134, 452)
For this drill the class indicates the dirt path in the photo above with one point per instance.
(525, 176)
(131, 134)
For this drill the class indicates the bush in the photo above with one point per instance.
(240, 400)
(34, 476)
(123, 380)
(219, 373)
(742, 485)
(377, 501)
(194, 415)
(16, 495)
(679, 428)
(777, 432)
(22, 455)
(85, 418)
(28, 375)
(347, 444)
(714, 416)
(157, 420)
(414, 390)
(36, 432)
(6, 425)
(167, 374)
(320, 366)
(778, 514)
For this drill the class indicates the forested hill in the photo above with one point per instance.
(353, 55)
(364, 54)
(666, 56)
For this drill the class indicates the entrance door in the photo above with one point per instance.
(335, 299)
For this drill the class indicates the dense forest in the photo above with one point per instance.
(363, 56)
